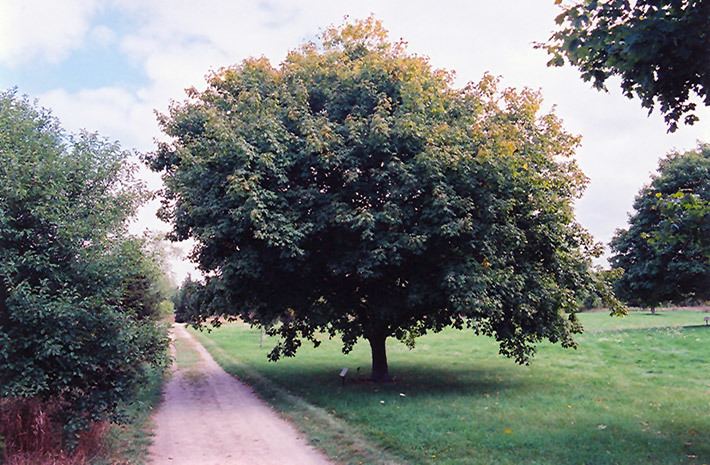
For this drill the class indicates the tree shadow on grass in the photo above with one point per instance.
(435, 381)
(597, 332)
(589, 435)
(529, 422)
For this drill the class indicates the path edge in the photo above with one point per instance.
(335, 438)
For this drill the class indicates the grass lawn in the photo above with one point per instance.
(636, 391)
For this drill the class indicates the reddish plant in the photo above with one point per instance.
(32, 435)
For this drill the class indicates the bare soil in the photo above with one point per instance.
(208, 417)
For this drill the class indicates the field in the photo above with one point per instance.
(636, 391)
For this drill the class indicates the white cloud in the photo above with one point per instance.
(48, 30)
(102, 35)
(114, 112)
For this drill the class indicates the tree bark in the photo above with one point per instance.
(380, 370)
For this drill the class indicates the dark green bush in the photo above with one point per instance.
(77, 303)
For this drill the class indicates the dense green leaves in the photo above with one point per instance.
(665, 253)
(143, 280)
(659, 49)
(187, 300)
(75, 304)
(353, 190)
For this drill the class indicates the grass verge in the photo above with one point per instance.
(188, 360)
(128, 443)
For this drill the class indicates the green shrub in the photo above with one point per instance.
(77, 299)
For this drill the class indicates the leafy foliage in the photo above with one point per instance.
(606, 280)
(187, 300)
(659, 49)
(353, 190)
(665, 253)
(143, 280)
(75, 323)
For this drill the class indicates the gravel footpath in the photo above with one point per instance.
(208, 417)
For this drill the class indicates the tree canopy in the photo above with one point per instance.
(353, 190)
(665, 252)
(76, 323)
(659, 49)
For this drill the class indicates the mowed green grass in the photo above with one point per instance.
(636, 391)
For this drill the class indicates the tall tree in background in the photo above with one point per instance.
(142, 277)
(76, 327)
(353, 190)
(186, 300)
(665, 253)
(659, 48)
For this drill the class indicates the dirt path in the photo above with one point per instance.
(210, 418)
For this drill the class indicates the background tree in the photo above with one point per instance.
(353, 190)
(144, 277)
(74, 330)
(187, 300)
(606, 279)
(665, 252)
(659, 49)
(162, 251)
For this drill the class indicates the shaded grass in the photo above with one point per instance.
(625, 396)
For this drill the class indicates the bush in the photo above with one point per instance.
(77, 299)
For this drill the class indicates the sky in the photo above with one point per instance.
(110, 65)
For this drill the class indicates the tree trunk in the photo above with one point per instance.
(380, 371)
